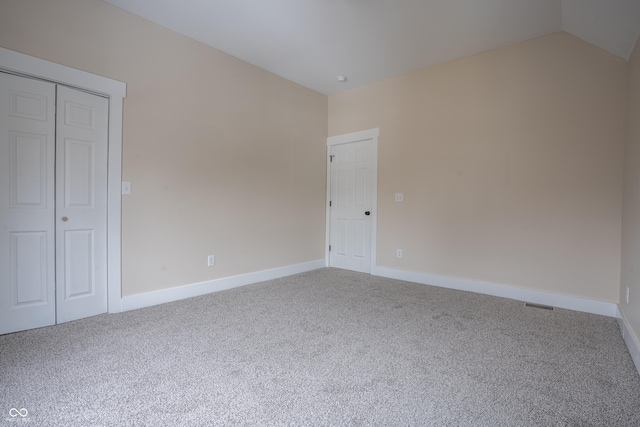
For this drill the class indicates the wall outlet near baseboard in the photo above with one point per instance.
(398, 253)
(627, 297)
(211, 260)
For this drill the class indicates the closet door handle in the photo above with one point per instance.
(65, 219)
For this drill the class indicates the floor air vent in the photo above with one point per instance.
(544, 307)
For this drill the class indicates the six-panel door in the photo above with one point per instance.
(53, 171)
(350, 194)
(27, 236)
(81, 204)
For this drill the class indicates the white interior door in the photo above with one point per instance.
(53, 204)
(81, 204)
(27, 237)
(351, 205)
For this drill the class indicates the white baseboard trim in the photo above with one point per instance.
(631, 339)
(162, 296)
(527, 295)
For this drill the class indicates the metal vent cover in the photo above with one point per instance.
(541, 306)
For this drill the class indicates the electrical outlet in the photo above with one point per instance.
(398, 253)
(211, 260)
(399, 197)
(627, 298)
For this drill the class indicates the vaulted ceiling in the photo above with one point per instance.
(311, 42)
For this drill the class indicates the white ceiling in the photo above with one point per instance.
(312, 41)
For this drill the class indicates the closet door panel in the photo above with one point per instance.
(27, 203)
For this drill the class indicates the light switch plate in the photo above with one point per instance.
(126, 187)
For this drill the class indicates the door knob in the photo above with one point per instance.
(65, 219)
(367, 213)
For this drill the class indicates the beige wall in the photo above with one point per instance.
(224, 158)
(510, 163)
(631, 205)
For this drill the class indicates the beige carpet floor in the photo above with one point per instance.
(328, 347)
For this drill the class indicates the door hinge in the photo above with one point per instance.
(329, 248)
(331, 156)
(329, 203)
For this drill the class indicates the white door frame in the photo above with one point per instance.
(116, 91)
(364, 135)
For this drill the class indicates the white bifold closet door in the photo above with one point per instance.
(53, 203)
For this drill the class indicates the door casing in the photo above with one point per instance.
(25, 65)
(365, 135)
